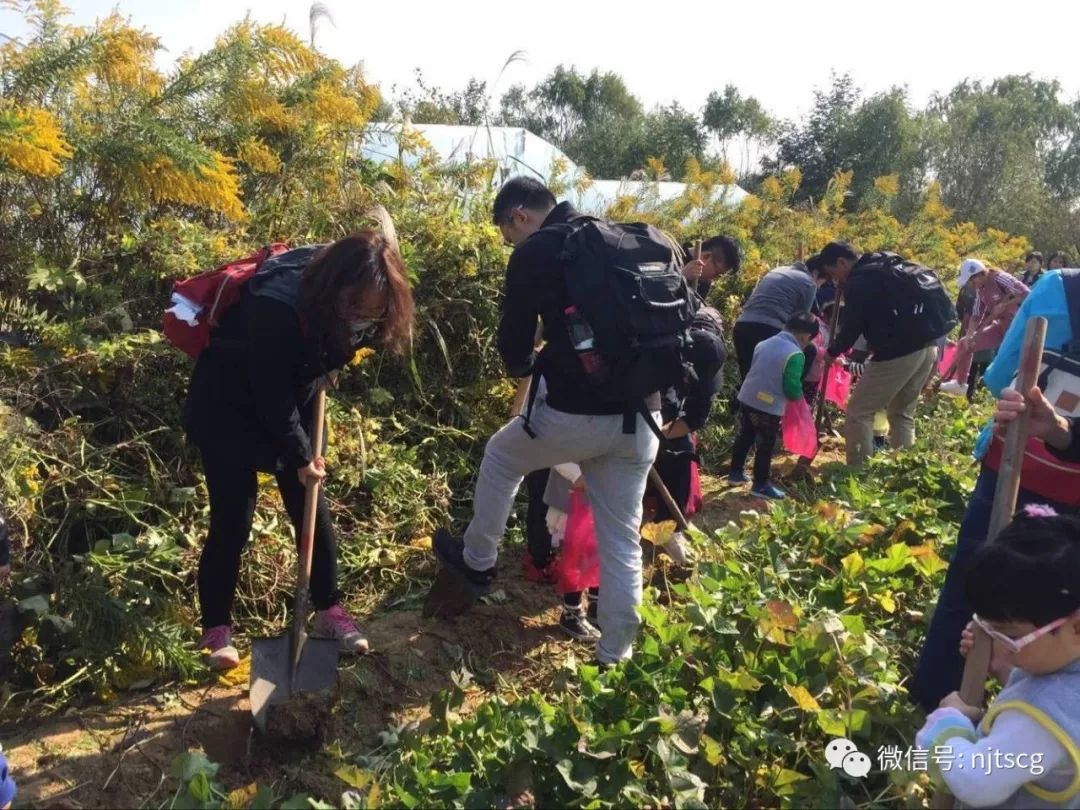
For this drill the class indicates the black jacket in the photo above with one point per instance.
(252, 393)
(869, 295)
(536, 288)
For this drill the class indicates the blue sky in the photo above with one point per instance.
(778, 51)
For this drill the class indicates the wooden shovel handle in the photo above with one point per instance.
(977, 665)
(311, 496)
(665, 496)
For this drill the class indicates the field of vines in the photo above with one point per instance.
(799, 623)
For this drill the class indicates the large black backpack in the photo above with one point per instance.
(916, 295)
(626, 281)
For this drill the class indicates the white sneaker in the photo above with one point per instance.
(676, 549)
(953, 388)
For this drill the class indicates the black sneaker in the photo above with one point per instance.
(594, 607)
(576, 625)
(450, 551)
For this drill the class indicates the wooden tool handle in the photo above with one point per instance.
(977, 665)
(665, 496)
(311, 497)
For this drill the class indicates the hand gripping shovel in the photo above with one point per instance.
(977, 665)
(288, 671)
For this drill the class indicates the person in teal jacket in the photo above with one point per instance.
(940, 667)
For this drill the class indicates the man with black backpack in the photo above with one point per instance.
(903, 311)
(616, 314)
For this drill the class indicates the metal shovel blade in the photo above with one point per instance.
(271, 678)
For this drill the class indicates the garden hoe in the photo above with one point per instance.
(293, 677)
(977, 665)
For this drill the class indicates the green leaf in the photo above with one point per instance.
(740, 680)
(353, 776)
(38, 604)
(853, 564)
(714, 752)
(186, 766)
(688, 788)
(785, 780)
(264, 799)
(199, 788)
(896, 559)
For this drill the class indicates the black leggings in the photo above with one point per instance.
(974, 378)
(759, 430)
(673, 464)
(233, 489)
(537, 536)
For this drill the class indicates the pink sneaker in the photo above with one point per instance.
(219, 653)
(335, 623)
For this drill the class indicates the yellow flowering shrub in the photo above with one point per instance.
(31, 142)
(215, 186)
(258, 156)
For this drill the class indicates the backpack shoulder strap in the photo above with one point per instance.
(1070, 280)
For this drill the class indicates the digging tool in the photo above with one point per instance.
(697, 281)
(820, 416)
(665, 496)
(977, 664)
(290, 668)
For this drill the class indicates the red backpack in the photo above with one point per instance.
(198, 303)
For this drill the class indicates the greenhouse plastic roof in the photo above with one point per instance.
(518, 151)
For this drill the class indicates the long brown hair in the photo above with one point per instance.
(364, 259)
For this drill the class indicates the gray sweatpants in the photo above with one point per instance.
(616, 468)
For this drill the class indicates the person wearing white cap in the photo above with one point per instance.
(997, 297)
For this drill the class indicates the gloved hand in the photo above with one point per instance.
(856, 369)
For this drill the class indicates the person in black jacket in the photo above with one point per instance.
(250, 408)
(571, 422)
(686, 413)
(901, 359)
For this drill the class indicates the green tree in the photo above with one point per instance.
(730, 114)
(432, 105)
(593, 118)
(878, 136)
(672, 134)
(1007, 154)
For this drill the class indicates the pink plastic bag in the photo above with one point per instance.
(947, 359)
(579, 568)
(694, 502)
(797, 425)
(697, 500)
(838, 386)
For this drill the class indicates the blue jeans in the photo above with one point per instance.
(941, 667)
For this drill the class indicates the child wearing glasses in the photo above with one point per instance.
(1023, 751)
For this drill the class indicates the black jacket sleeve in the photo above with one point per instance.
(517, 327)
(275, 350)
(1072, 452)
(707, 355)
(853, 316)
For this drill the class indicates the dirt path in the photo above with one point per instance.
(119, 755)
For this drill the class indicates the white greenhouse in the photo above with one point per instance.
(518, 151)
